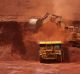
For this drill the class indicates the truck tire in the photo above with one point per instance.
(59, 58)
(42, 60)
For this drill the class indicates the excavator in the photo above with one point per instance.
(74, 28)
(34, 24)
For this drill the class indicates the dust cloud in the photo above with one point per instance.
(25, 9)
(69, 9)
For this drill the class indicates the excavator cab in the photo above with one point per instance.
(51, 50)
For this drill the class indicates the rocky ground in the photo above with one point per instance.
(22, 67)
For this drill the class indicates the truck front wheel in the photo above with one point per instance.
(42, 60)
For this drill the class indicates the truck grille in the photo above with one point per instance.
(50, 54)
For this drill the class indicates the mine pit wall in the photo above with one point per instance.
(13, 46)
(28, 44)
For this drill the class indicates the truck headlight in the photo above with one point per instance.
(42, 52)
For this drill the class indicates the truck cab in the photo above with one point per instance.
(51, 50)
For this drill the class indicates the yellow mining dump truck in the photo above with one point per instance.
(51, 50)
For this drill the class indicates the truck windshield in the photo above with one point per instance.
(49, 46)
(57, 46)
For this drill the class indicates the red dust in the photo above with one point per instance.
(48, 32)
